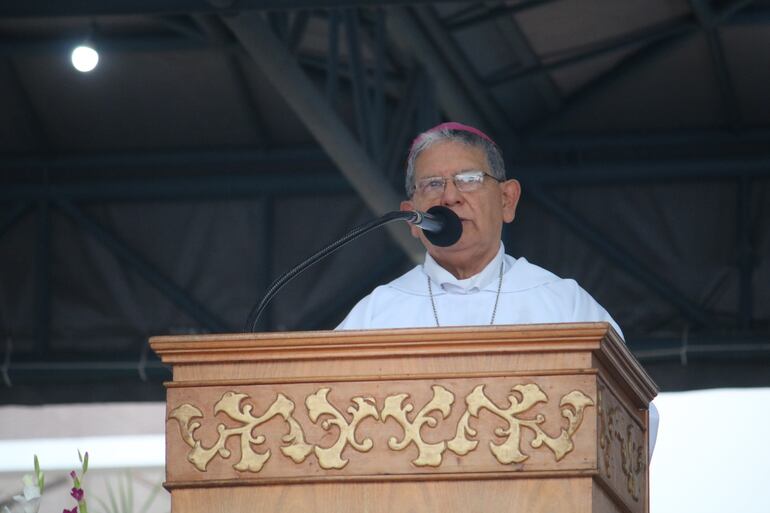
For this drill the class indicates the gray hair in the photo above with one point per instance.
(427, 139)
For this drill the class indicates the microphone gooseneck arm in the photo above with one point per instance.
(358, 231)
(442, 227)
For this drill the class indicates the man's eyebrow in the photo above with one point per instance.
(453, 174)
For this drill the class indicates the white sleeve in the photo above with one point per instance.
(653, 432)
(587, 309)
(358, 318)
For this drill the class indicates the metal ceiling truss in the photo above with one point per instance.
(44, 8)
(134, 260)
(646, 45)
(483, 12)
(272, 41)
(620, 257)
(709, 22)
(219, 35)
(577, 55)
(356, 157)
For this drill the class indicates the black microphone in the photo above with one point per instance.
(441, 225)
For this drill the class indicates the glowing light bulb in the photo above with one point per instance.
(84, 58)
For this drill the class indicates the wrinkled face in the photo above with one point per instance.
(482, 211)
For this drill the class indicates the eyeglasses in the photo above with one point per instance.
(466, 181)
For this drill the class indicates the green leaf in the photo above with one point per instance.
(80, 456)
(124, 501)
(39, 475)
(113, 503)
(150, 499)
(85, 463)
(103, 504)
(130, 483)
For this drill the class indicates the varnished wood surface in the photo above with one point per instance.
(382, 461)
(324, 348)
(570, 495)
(373, 365)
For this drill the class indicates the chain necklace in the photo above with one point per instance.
(497, 297)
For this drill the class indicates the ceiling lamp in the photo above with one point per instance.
(84, 58)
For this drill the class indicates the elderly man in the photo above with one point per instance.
(472, 282)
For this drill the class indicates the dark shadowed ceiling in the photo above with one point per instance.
(220, 142)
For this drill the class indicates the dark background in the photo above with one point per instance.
(220, 142)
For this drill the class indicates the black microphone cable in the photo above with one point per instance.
(450, 232)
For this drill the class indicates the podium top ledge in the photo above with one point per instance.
(559, 333)
(597, 339)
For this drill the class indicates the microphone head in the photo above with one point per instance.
(450, 232)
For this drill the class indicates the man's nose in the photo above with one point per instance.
(451, 195)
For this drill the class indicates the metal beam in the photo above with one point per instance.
(29, 111)
(509, 29)
(47, 9)
(454, 57)
(124, 253)
(182, 25)
(322, 121)
(43, 253)
(655, 46)
(378, 104)
(135, 43)
(647, 171)
(648, 141)
(452, 97)
(298, 29)
(731, 114)
(266, 218)
(745, 254)
(402, 126)
(719, 346)
(494, 13)
(646, 36)
(361, 104)
(622, 258)
(598, 86)
(226, 187)
(333, 57)
(215, 160)
(63, 368)
(15, 213)
(218, 34)
(739, 360)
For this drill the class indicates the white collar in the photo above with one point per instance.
(448, 283)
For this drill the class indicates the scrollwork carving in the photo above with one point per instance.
(428, 454)
(521, 399)
(318, 405)
(230, 405)
(633, 460)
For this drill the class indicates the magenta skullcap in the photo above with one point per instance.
(453, 125)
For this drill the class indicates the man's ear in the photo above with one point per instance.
(408, 205)
(511, 190)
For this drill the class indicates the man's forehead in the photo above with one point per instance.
(450, 158)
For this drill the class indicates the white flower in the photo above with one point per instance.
(30, 501)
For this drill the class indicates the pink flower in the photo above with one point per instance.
(73, 475)
(77, 494)
(73, 510)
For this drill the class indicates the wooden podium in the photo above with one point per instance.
(531, 418)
